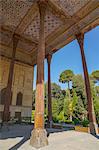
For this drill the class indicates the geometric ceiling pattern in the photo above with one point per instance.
(71, 6)
(63, 19)
(12, 11)
(51, 23)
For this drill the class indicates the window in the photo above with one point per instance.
(2, 96)
(18, 116)
(19, 99)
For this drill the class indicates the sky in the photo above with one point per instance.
(69, 57)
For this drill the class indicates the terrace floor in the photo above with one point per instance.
(17, 138)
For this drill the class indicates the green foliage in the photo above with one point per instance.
(70, 105)
(61, 117)
(69, 122)
(65, 107)
(80, 111)
(66, 76)
(55, 119)
(55, 109)
(95, 75)
(76, 121)
(96, 106)
(78, 86)
(97, 90)
(33, 113)
(33, 99)
(74, 100)
(85, 123)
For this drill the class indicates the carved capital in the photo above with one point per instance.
(15, 41)
(42, 4)
(49, 57)
(80, 38)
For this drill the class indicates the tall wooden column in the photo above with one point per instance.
(49, 92)
(6, 113)
(39, 136)
(91, 115)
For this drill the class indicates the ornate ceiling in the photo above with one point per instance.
(63, 19)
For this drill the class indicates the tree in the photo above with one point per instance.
(95, 76)
(78, 86)
(81, 107)
(69, 106)
(66, 76)
(57, 99)
(97, 90)
(33, 99)
(56, 91)
(96, 105)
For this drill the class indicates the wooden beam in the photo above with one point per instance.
(26, 40)
(62, 29)
(20, 37)
(31, 14)
(20, 55)
(58, 11)
(16, 60)
(64, 41)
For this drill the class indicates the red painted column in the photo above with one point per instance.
(49, 92)
(39, 136)
(91, 114)
(6, 113)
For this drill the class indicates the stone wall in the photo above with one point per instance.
(22, 82)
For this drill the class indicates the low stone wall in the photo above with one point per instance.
(82, 129)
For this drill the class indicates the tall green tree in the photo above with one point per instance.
(95, 76)
(65, 77)
(78, 86)
(69, 106)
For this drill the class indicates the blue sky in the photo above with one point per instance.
(69, 57)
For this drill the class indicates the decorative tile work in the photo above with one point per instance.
(71, 6)
(12, 11)
(51, 23)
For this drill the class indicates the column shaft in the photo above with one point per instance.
(91, 114)
(49, 92)
(39, 136)
(39, 108)
(6, 113)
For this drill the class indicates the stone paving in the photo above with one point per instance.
(17, 138)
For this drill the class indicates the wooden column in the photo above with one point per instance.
(49, 92)
(39, 136)
(91, 115)
(6, 113)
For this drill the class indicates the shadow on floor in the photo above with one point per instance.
(15, 131)
(53, 130)
(96, 136)
(23, 131)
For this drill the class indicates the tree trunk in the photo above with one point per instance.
(70, 117)
(69, 91)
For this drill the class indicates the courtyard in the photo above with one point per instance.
(17, 138)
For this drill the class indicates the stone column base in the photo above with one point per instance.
(93, 128)
(38, 138)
